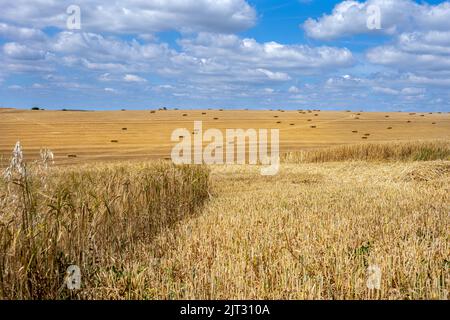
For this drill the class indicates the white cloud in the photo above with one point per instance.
(105, 77)
(344, 81)
(207, 58)
(423, 80)
(293, 89)
(219, 58)
(385, 90)
(12, 32)
(165, 87)
(418, 51)
(133, 78)
(38, 86)
(350, 18)
(432, 42)
(100, 66)
(19, 51)
(98, 47)
(129, 16)
(268, 55)
(277, 76)
(413, 91)
(15, 87)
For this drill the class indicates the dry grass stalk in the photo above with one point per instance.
(90, 217)
(393, 151)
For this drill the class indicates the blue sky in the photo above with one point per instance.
(262, 54)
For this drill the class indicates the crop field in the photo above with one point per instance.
(80, 137)
(359, 192)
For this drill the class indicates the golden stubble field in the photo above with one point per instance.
(309, 233)
(131, 135)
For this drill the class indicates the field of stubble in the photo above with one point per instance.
(309, 233)
(79, 137)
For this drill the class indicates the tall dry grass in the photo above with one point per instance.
(89, 216)
(382, 151)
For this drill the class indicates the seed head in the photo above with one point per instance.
(47, 157)
(17, 165)
(373, 277)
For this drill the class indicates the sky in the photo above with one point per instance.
(374, 55)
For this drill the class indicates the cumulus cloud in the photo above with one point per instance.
(15, 87)
(133, 78)
(277, 76)
(12, 32)
(413, 91)
(431, 42)
(293, 89)
(419, 51)
(103, 48)
(350, 18)
(385, 90)
(38, 86)
(19, 51)
(267, 55)
(207, 57)
(423, 80)
(105, 53)
(224, 58)
(129, 16)
(345, 81)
